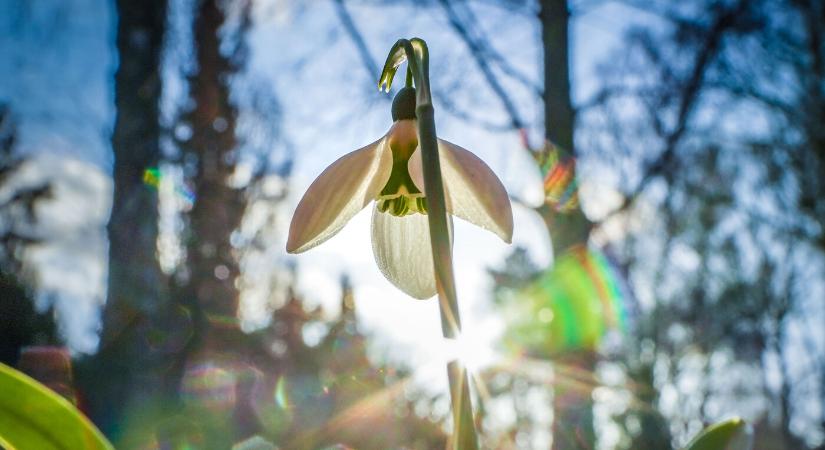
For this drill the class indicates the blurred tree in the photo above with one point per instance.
(123, 370)
(135, 280)
(20, 322)
(208, 288)
(568, 228)
(737, 251)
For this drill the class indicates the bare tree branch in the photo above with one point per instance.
(358, 39)
(477, 52)
(452, 109)
(503, 65)
(690, 95)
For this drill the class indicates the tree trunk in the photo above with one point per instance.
(573, 407)
(218, 206)
(570, 228)
(209, 290)
(135, 278)
(135, 285)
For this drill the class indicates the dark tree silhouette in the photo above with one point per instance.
(136, 284)
(20, 323)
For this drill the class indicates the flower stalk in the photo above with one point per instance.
(414, 52)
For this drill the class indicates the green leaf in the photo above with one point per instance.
(34, 417)
(728, 435)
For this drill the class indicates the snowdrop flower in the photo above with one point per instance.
(389, 172)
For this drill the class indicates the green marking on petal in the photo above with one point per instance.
(402, 205)
(400, 181)
(421, 204)
(400, 196)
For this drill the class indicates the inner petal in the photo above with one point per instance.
(402, 205)
(400, 196)
(403, 252)
(400, 182)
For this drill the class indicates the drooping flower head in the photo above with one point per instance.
(389, 172)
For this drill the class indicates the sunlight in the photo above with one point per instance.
(473, 351)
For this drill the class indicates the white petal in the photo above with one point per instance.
(402, 250)
(472, 190)
(342, 189)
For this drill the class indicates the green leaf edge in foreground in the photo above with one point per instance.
(717, 436)
(34, 417)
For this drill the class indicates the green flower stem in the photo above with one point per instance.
(414, 51)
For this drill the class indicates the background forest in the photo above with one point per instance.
(665, 161)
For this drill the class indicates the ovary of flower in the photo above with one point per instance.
(389, 172)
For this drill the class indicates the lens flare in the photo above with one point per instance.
(281, 397)
(210, 387)
(573, 305)
(560, 187)
(153, 177)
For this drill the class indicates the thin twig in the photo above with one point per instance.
(477, 52)
(450, 107)
(357, 38)
(691, 93)
(488, 51)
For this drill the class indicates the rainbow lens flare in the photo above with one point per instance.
(560, 188)
(153, 177)
(281, 394)
(572, 306)
(210, 387)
